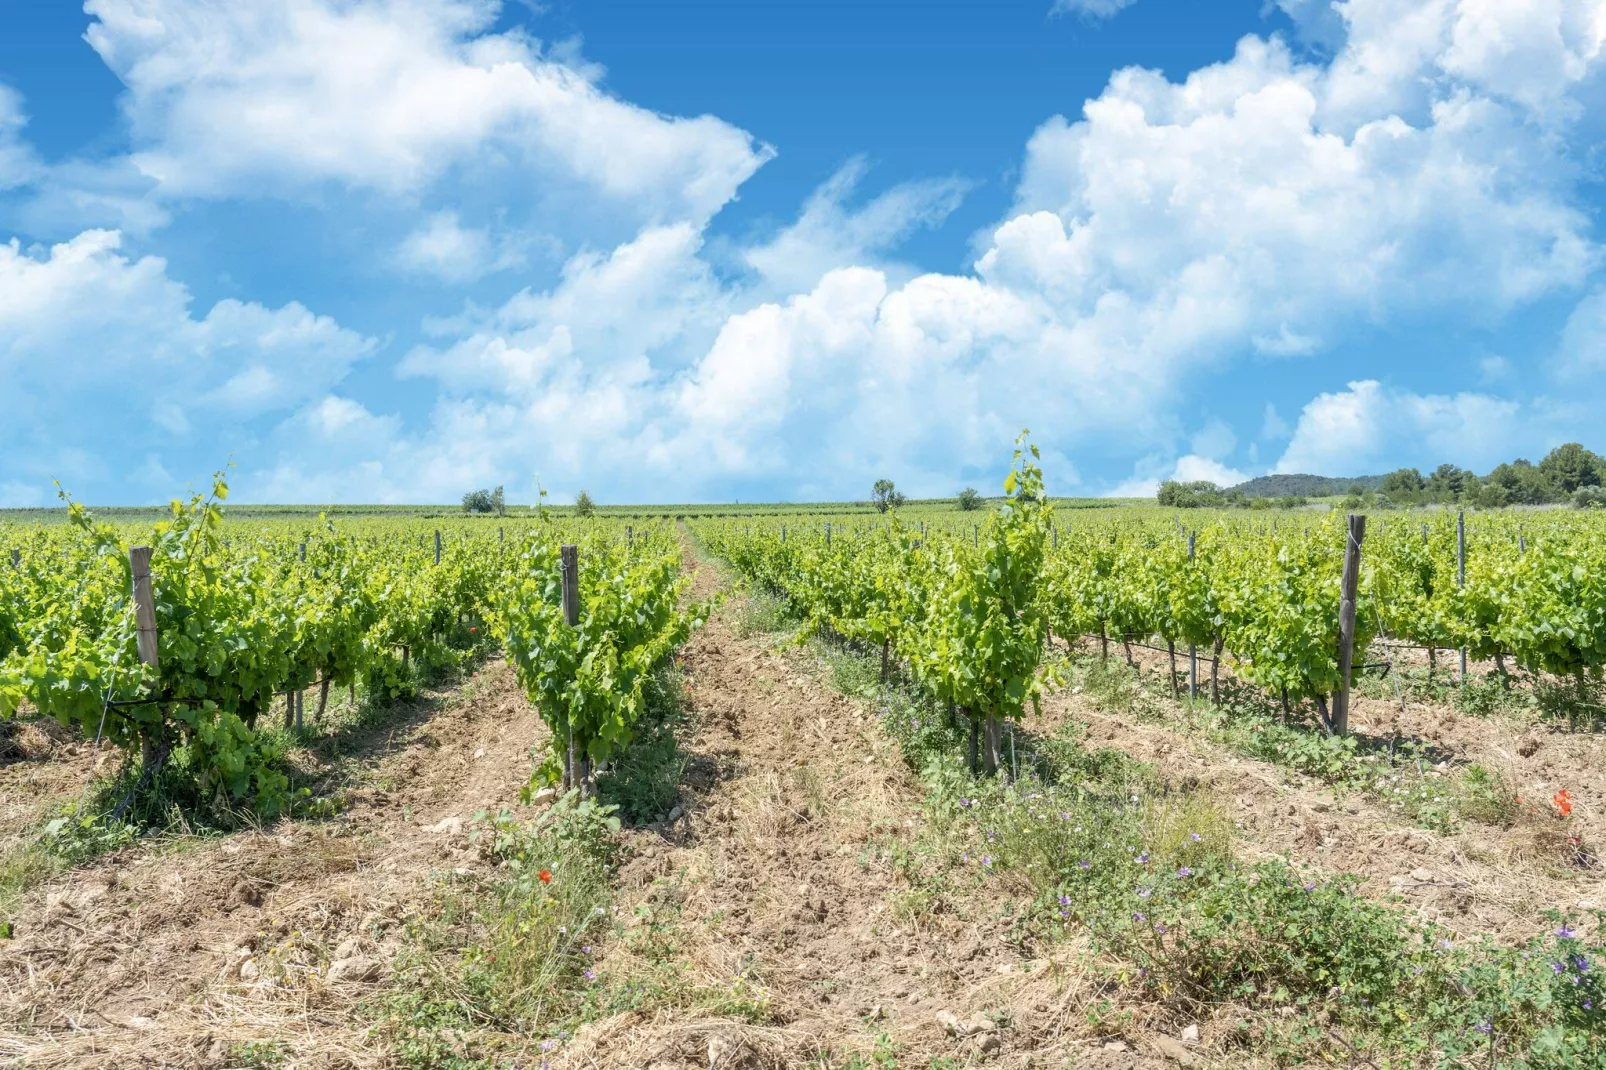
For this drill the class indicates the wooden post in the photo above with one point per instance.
(303, 551)
(783, 532)
(630, 537)
(828, 534)
(437, 546)
(1346, 620)
(1461, 571)
(569, 568)
(139, 563)
(1193, 650)
(16, 557)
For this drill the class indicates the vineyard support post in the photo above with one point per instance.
(1193, 650)
(437, 546)
(16, 557)
(1346, 620)
(1461, 572)
(569, 568)
(303, 551)
(630, 537)
(139, 563)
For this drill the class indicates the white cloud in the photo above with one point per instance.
(1090, 9)
(105, 345)
(442, 247)
(1583, 340)
(1261, 207)
(391, 95)
(1273, 426)
(1369, 427)
(1190, 468)
(18, 164)
(830, 234)
(1215, 439)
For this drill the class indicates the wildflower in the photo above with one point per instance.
(1195, 837)
(1563, 801)
(987, 860)
(1184, 872)
(1084, 864)
(590, 976)
(1065, 900)
(1557, 967)
(1159, 927)
(1144, 893)
(1581, 963)
(546, 876)
(1137, 916)
(1484, 1027)
(586, 950)
(1143, 859)
(1566, 932)
(1310, 886)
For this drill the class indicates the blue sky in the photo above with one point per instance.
(391, 250)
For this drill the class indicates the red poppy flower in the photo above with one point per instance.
(471, 631)
(546, 876)
(1563, 801)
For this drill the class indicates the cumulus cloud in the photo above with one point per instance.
(1090, 9)
(445, 249)
(1189, 468)
(391, 95)
(18, 164)
(1258, 209)
(1368, 427)
(830, 233)
(1583, 341)
(101, 343)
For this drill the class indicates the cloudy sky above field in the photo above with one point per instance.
(392, 250)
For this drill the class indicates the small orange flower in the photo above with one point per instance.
(1563, 801)
(546, 876)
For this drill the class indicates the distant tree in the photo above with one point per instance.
(1403, 485)
(499, 501)
(479, 501)
(583, 505)
(1448, 482)
(886, 496)
(1524, 483)
(1198, 495)
(1589, 498)
(1490, 495)
(1571, 466)
(969, 499)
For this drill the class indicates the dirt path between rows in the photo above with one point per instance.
(1478, 880)
(178, 952)
(780, 883)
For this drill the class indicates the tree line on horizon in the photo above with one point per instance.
(1568, 473)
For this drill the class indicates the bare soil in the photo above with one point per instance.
(1480, 880)
(174, 952)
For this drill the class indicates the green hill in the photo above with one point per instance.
(1304, 486)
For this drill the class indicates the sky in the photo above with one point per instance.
(396, 250)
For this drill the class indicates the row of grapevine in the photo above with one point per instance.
(969, 606)
(248, 612)
(964, 614)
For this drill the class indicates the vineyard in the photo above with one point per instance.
(1023, 786)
